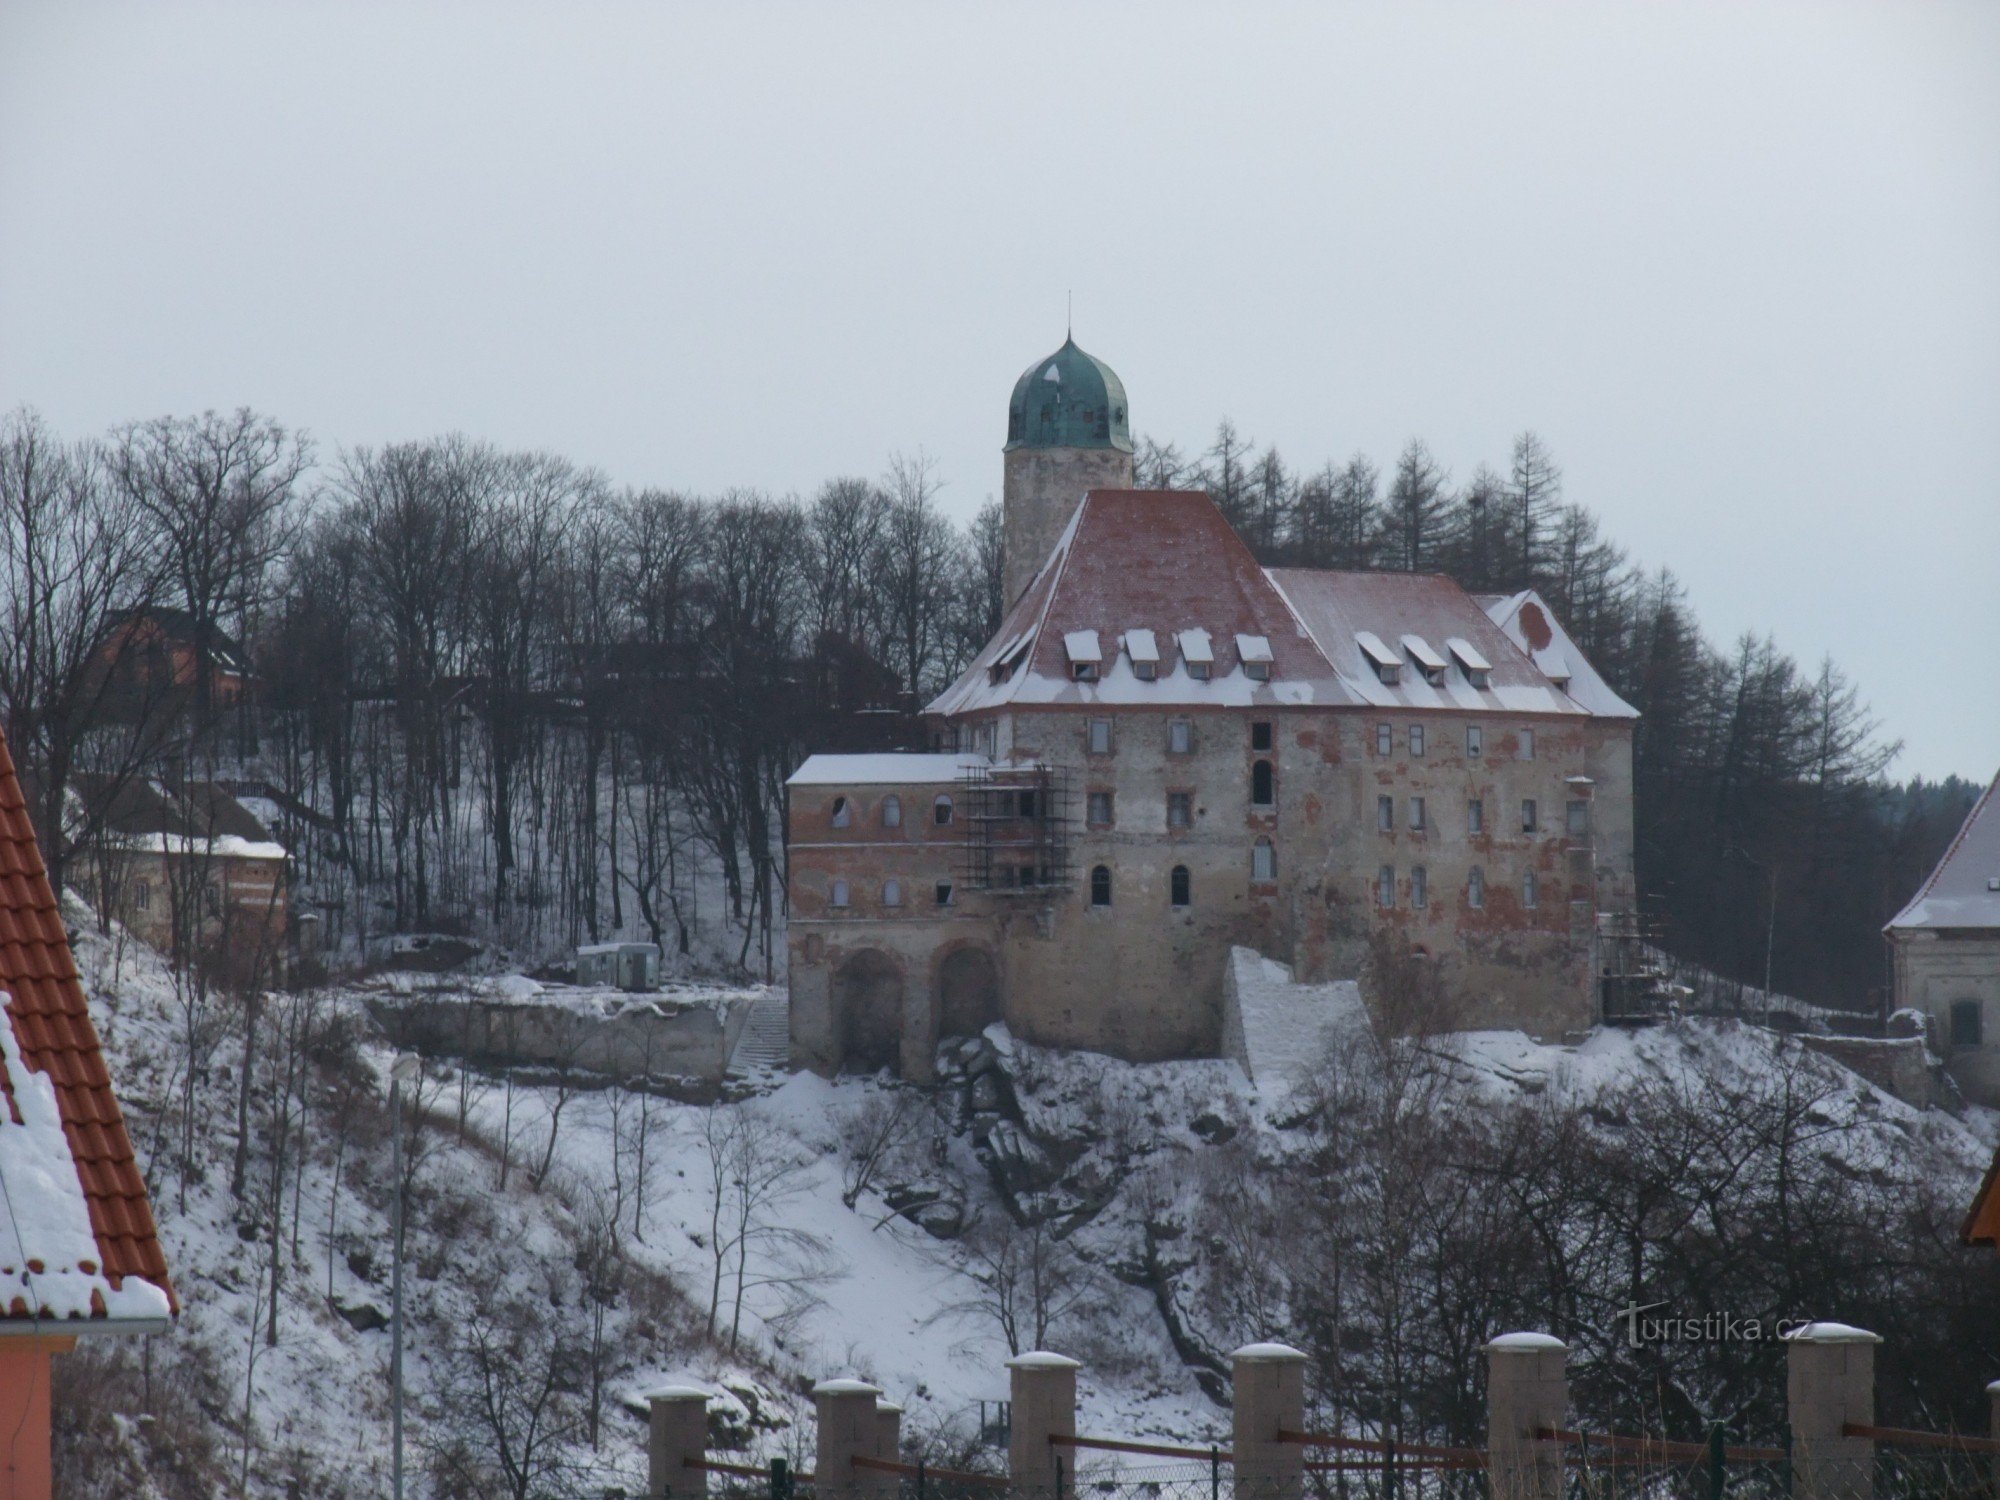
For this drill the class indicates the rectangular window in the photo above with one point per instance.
(1475, 888)
(1025, 804)
(1475, 740)
(1260, 734)
(1180, 809)
(1198, 670)
(1530, 889)
(944, 893)
(1385, 814)
(1417, 814)
(142, 895)
(1385, 740)
(1385, 887)
(1100, 809)
(1100, 736)
(1965, 1028)
(1527, 744)
(1420, 887)
(1257, 671)
(1576, 818)
(1084, 671)
(1180, 738)
(1475, 816)
(1416, 739)
(1145, 671)
(1263, 861)
(1529, 822)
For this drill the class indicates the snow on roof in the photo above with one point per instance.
(1964, 889)
(1527, 1343)
(1372, 647)
(1346, 610)
(1253, 648)
(1467, 654)
(77, 1238)
(1081, 645)
(1422, 653)
(1141, 646)
(1164, 565)
(225, 846)
(883, 769)
(1534, 630)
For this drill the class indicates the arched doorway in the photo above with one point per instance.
(868, 999)
(968, 993)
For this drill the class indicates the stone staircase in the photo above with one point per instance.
(766, 1043)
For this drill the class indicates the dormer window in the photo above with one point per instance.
(1144, 651)
(1085, 655)
(1197, 653)
(1386, 664)
(1427, 660)
(1011, 656)
(1478, 670)
(1254, 651)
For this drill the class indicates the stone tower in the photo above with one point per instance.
(1068, 432)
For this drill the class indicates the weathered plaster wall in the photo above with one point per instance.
(640, 1039)
(1933, 970)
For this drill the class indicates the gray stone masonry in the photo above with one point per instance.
(1831, 1382)
(678, 1431)
(1043, 1387)
(889, 1445)
(1269, 1393)
(1527, 1389)
(848, 1428)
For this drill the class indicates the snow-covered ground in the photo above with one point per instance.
(842, 1282)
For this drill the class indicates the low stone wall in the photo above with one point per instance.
(628, 1038)
(1902, 1066)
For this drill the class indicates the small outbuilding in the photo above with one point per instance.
(1944, 951)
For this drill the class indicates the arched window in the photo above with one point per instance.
(837, 894)
(1420, 887)
(1475, 888)
(1261, 791)
(892, 811)
(941, 810)
(1529, 890)
(1263, 861)
(1183, 886)
(1100, 885)
(892, 893)
(842, 813)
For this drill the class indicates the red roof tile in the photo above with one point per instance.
(52, 1026)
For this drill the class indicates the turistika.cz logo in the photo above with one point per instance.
(1647, 1325)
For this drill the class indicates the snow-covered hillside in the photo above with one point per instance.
(592, 1242)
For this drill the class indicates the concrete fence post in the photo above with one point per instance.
(889, 1445)
(1268, 1392)
(848, 1429)
(1527, 1390)
(1043, 1388)
(677, 1431)
(1831, 1382)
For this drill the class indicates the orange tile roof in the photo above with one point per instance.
(52, 1028)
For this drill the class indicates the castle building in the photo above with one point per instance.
(1168, 750)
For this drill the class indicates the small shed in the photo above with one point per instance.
(634, 967)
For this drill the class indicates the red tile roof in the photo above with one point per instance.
(52, 1028)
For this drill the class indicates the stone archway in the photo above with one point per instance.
(868, 1005)
(968, 993)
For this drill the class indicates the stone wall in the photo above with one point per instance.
(1040, 490)
(625, 1037)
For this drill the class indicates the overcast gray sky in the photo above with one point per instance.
(1739, 265)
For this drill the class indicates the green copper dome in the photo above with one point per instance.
(1069, 400)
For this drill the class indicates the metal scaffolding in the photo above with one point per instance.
(1017, 829)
